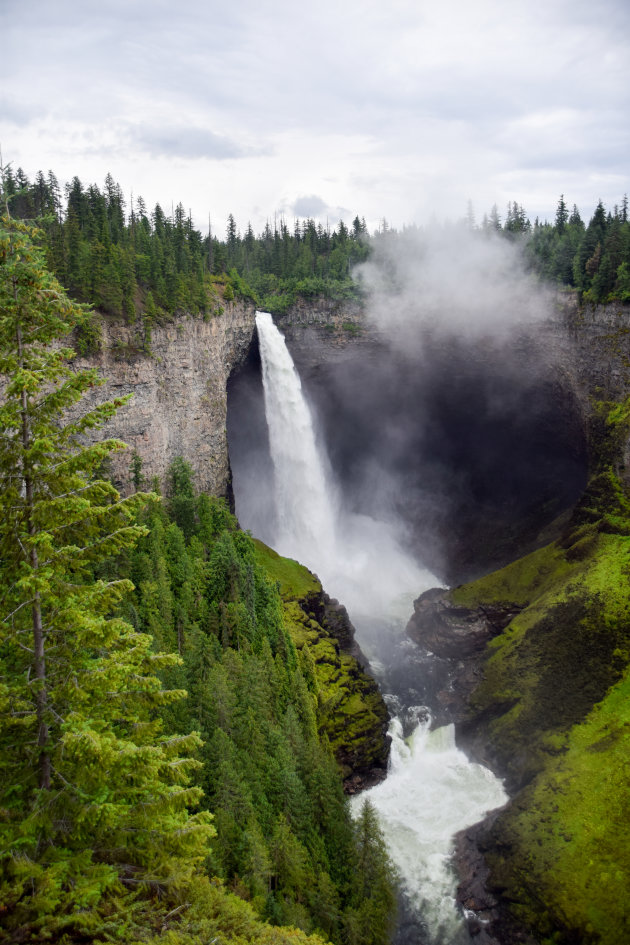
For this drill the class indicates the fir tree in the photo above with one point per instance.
(562, 215)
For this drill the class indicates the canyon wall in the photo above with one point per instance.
(178, 385)
(179, 393)
(434, 426)
(598, 338)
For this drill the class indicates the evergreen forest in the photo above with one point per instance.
(163, 772)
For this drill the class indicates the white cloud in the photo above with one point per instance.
(399, 111)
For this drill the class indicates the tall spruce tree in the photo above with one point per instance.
(93, 796)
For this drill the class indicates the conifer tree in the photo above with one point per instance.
(93, 796)
(562, 215)
(372, 921)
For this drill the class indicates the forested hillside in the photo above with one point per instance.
(163, 775)
(130, 261)
(593, 258)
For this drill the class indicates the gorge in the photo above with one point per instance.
(431, 790)
(511, 428)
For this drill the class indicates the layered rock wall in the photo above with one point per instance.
(600, 344)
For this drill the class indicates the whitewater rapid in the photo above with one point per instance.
(432, 790)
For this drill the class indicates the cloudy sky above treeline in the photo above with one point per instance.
(396, 109)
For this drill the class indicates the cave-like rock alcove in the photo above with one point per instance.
(475, 448)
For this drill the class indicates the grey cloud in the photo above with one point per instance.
(188, 142)
(584, 141)
(17, 113)
(443, 120)
(312, 206)
(572, 160)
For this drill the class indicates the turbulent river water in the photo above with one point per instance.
(432, 789)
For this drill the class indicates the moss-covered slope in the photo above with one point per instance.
(350, 710)
(552, 713)
(561, 852)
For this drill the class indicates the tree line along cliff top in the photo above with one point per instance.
(143, 264)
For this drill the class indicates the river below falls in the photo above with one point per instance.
(432, 789)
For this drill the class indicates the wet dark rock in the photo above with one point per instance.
(488, 921)
(458, 635)
(336, 620)
(455, 632)
(473, 872)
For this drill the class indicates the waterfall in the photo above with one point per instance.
(304, 505)
(432, 789)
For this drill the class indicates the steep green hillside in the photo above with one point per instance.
(266, 684)
(552, 712)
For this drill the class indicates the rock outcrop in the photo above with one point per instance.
(456, 632)
(350, 710)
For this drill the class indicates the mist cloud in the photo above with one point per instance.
(452, 280)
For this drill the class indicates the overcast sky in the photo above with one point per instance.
(329, 108)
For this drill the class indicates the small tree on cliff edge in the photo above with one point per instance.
(93, 799)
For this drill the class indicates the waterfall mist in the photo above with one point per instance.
(452, 280)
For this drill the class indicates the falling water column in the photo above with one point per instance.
(304, 497)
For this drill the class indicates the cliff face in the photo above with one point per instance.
(599, 338)
(179, 390)
(179, 401)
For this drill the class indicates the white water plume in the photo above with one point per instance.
(432, 791)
